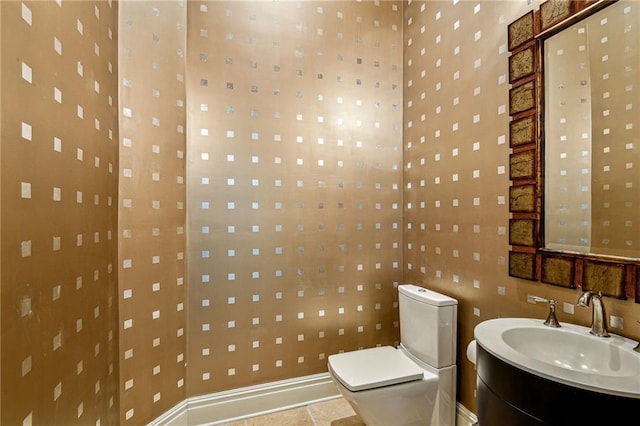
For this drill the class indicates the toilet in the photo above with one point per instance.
(414, 384)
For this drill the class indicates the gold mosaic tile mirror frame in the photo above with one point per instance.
(528, 257)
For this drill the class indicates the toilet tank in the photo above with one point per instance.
(428, 325)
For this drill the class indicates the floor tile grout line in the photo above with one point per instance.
(313, 420)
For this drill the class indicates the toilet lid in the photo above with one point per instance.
(373, 368)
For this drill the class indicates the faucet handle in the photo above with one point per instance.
(535, 299)
(551, 320)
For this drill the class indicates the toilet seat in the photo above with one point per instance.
(373, 368)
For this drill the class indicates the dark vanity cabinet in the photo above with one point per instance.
(509, 396)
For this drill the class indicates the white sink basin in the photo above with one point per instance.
(568, 354)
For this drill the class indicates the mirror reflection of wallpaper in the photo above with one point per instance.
(592, 134)
(616, 197)
(568, 137)
(294, 175)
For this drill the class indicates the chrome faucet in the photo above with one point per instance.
(599, 318)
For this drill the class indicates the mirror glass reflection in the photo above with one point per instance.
(592, 134)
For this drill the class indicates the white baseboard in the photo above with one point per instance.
(242, 403)
(237, 404)
(464, 417)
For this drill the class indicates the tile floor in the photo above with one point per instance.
(335, 412)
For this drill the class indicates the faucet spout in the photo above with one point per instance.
(599, 316)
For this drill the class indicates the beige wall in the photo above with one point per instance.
(151, 228)
(456, 155)
(295, 176)
(59, 196)
(1, 126)
(359, 167)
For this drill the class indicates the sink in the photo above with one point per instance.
(573, 351)
(568, 355)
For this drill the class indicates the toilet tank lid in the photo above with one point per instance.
(426, 296)
(373, 368)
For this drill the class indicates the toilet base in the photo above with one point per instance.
(430, 401)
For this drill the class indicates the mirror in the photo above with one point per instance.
(592, 134)
(574, 135)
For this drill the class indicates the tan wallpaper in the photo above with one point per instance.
(456, 181)
(329, 158)
(295, 175)
(59, 194)
(151, 228)
(1, 126)
(456, 154)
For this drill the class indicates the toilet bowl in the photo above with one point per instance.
(413, 384)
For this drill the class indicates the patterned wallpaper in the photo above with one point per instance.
(151, 228)
(335, 149)
(294, 175)
(456, 155)
(59, 196)
(456, 175)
